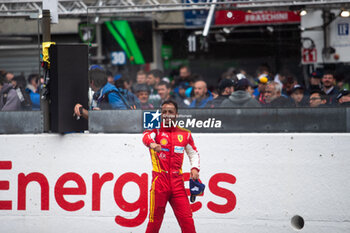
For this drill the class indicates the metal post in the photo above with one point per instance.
(39, 52)
(157, 50)
(46, 27)
(44, 103)
(99, 54)
(209, 18)
(306, 72)
(326, 15)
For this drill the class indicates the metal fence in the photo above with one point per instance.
(232, 120)
(267, 120)
(28, 122)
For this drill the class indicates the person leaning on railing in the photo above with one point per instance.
(343, 98)
(106, 95)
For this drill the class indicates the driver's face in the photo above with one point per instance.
(169, 114)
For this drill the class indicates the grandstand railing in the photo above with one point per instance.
(262, 120)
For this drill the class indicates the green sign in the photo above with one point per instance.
(167, 52)
(87, 32)
(124, 36)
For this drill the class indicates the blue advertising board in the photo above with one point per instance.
(343, 29)
(195, 18)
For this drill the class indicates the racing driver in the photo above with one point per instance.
(167, 146)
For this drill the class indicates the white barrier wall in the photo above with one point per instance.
(255, 183)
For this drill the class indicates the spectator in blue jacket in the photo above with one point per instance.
(106, 96)
(33, 91)
(201, 95)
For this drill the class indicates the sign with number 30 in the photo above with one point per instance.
(118, 58)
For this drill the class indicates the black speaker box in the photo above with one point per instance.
(68, 86)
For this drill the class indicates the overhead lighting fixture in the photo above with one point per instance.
(226, 30)
(345, 13)
(307, 43)
(303, 13)
(270, 29)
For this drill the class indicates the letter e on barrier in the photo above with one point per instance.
(60, 191)
(5, 185)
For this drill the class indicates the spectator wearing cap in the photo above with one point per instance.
(329, 87)
(241, 97)
(259, 92)
(298, 96)
(273, 96)
(250, 87)
(314, 82)
(201, 95)
(180, 96)
(142, 92)
(288, 85)
(344, 98)
(318, 99)
(226, 88)
(153, 78)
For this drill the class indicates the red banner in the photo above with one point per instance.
(309, 56)
(257, 17)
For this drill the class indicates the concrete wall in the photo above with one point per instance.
(254, 183)
(20, 26)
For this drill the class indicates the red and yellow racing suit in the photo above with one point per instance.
(167, 178)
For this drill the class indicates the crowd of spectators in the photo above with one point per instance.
(149, 89)
(234, 89)
(18, 93)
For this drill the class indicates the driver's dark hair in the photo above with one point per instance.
(170, 102)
